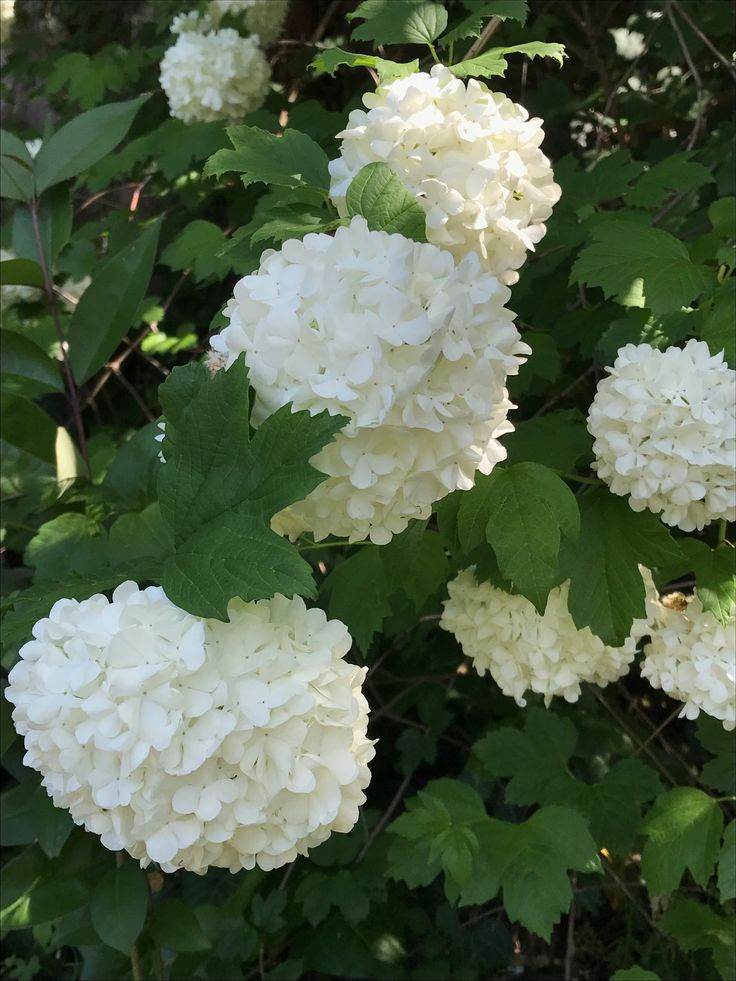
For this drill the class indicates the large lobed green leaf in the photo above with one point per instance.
(220, 487)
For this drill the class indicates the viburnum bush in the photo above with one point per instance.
(368, 457)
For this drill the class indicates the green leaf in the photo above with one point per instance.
(132, 475)
(716, 322)
(675, 173)
(399, 21)
(607, 179)
(83, 141)
(51, 825)
(639, 327)
(696, 926)
(606, 588)
(26, 367)
(16, 168)
(521, 511)
(25, 425)
(174, 925)
(535, 760)
(684, 831)
(359, 594)
(378, 194)
(318, 893)
(727, 864)
(557, 440)
(720, 772)
(531, 860)
(415, 563)
(198, 247)
(480, 11)
(493, 62)
(627, 253)
(715, 574)
(219, 489)
(21, 272)
(290, 160)
(635, 973)
(119, 906)
(107, 309)
(331, 59)
(54, 223)
(722, 216)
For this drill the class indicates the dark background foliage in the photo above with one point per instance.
(371, 904)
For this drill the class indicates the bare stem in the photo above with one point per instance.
(72, 391)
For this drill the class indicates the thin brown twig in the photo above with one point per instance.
(72, 391)
(570, 942)
(705, 39)
(488, 31)
(632, 736)
(657, 733)
(386, 816)
(624, 78)
(627, 892)
(699, 119)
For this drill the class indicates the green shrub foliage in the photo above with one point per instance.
(590, 840)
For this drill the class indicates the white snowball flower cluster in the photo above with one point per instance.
(523, 651)
(11, 294)
(471, 157)
(193, 742)
(664, 424)
(692, 657)
(191, 20)
(219, 75)
(391, 333)
(262, 17)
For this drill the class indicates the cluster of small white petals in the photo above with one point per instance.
(191, 20)
(524, 651)
(664, 424)
(10, 293)
(219, 75)
(692, 657)
(413, 348)
(471, 157)
(190, 742)
(262, 17)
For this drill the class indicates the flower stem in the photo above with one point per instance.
(72, 391)
(433, 52)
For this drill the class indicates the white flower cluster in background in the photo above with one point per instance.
(524, 651)
(217, 75)
(471, 158)
(7, 16)
(692, 657)
(413, 348)
(11, 294)
(71, 290)
(262, 17)
(193, 742)
(664, 424)
(191, 20)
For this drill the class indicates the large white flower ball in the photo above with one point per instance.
(692, 657)
(192, 742)
(413, 349)
(262, 17)
(219, 75)
(524, 651)
(664, 424)
(470, 156)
